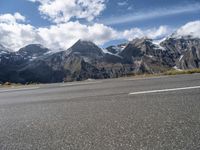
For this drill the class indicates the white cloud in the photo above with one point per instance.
(158, 33)
(191, 28)
(122, 3)
(132, 33)
(153, 33)
(65, 35)
(61, 11)
(15, 33)
(19, 17)
(8, 18)
(55, 38)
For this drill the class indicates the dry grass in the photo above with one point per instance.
(166, 73)
(16, 85)
(179, 72)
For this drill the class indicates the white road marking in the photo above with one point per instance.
(133, 79)
(82, 83)
(165, 90)
(18, 89)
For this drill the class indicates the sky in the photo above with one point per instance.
(58, 24)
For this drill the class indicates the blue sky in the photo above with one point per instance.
(114, 9)
(145, 7)
(113, 15)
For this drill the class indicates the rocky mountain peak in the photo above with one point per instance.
(86, 48)
(139, 41)
(33, 50)
(138, 47)
(116, 49)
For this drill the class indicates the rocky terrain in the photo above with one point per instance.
(37, 64)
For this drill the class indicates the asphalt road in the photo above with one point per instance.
(117, 114)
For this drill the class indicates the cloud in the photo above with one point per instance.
(54, 37)
(189, 29)
(153, 33)
(158, 33)
(8, 18)
(65, 35)
(122, 3)
(61, 11)
(130, 8)
(151, 14)
(15, 33)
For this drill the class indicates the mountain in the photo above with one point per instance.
(116, 49)
(12, 62)
(86, 49)
(147, 56)
(32, 51)
(35, 63)
(185, 51)
(82, 61)
(4, 49)
(185, 43)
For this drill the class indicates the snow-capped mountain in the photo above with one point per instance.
(185, 51)
(35, 63)
(87, 49)
(32, 51)
(116, 49)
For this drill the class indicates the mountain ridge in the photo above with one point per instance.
(35, 63)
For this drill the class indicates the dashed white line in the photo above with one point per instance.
(165, 90)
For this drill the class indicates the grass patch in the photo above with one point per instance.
(179, 72)
(16, 85)
(166, 73)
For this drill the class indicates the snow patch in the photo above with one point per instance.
(181, 57)
(105, 51)
(150, 56)
(157, 44)
(176, 68)
(3, 52)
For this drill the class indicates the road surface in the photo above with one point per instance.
(117, 114)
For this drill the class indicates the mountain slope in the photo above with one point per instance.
(185, 51)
